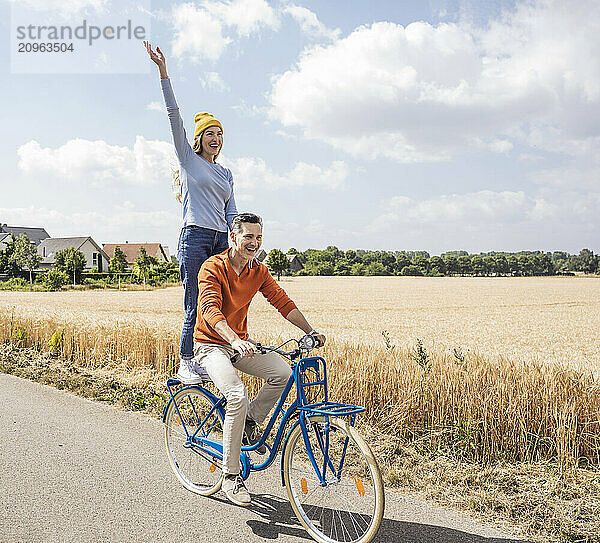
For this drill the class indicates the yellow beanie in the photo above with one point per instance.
(203, 121)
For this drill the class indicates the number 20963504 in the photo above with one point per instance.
(35, 47)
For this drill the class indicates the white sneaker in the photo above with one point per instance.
(187, 372)
(235, 490)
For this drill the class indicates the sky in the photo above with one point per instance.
(395, 125)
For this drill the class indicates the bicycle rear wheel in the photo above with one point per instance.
(197, 470)
(349, 507)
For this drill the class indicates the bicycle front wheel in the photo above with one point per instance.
(349, 506)
(197, 470)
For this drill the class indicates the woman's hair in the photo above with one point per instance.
(236, 224)
(197, 147)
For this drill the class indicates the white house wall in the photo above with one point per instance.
(88, 249)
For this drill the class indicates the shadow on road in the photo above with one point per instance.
(278, 518)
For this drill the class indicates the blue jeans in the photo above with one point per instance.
(196, 244)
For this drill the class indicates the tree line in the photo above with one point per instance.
(333, 261)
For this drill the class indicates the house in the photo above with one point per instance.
(295, 263)
(132, 251)
(4, 237)
(95, 257)
(35, 235)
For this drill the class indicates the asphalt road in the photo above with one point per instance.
(78, 471)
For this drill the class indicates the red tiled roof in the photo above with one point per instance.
(132, 250)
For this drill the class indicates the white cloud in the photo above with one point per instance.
(201, 31)
(424, 92)
(197, 34)
(70, 7)
(495, 145)
(485, 218)
(310, 24)
(570, 178)
(254, 174)
(99, 163)
(156, 106)
(484, 205)
(246, 16)
(118, 224)
(213, 81)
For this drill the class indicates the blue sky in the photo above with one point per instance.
(392, 125)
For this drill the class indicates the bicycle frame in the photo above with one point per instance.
(299, 406)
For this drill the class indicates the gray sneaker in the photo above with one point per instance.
(235, 490)
(252, 435)
(187, 373)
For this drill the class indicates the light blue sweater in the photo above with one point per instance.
(206, 188)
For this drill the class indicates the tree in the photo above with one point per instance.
(54, 279)
(402, 261)
(411, 270)
(71, 261)
(544, 265)
(464, 265)
(278, 262)
(587, 261)
(437, 266)
(142, 264)
(26, 256)
(375, 268)
(342, 268)
(477, 265)
(8, 264)
(489, 264)
(118, 262)
(526, 265)
(422, 263)
(351, 256)
(451, 263)
(501, 265)
(358, 268)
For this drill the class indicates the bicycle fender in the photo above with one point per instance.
(287, 437)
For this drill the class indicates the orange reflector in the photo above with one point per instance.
(359, 486)
(178, 421)
(212, 468)
(304, 486)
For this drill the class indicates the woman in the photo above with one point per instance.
(208, 206)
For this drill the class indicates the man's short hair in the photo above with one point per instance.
(236, 224)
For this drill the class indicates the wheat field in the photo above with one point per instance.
(509, 369)
(549, 319)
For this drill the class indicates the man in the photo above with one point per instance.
(227, 283)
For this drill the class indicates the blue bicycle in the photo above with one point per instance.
(331, 476)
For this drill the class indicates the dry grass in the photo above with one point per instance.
(466, 405)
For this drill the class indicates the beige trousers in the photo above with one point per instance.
(216, 359)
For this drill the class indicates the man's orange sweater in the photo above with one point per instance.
(225, 295)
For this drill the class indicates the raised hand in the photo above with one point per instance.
(158, 58)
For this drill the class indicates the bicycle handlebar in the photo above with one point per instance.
(305, 343)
